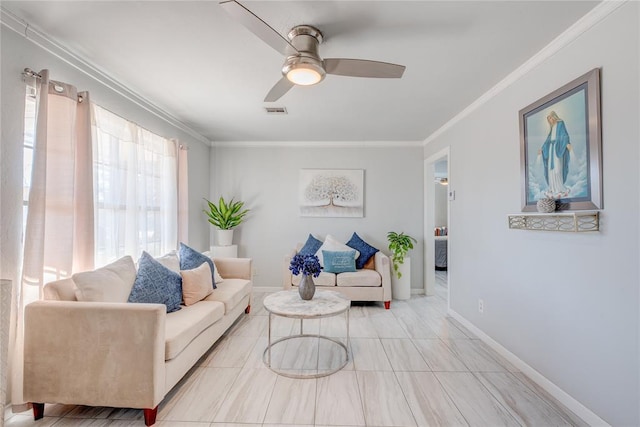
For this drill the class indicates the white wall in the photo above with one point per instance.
(267, 180)
(18, 53)
(566, 304)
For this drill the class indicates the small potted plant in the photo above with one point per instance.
(399, 245)
(309, 267)
(225, 216)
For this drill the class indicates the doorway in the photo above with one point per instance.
(437, 189)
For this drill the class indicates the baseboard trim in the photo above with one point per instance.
(417, 291)
(563, 397)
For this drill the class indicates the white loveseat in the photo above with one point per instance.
(124, 355)
(361, 285)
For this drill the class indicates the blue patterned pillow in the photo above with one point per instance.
(365, 249)
(339, 262)
(190, 259)
(156, 284)
(311, 246)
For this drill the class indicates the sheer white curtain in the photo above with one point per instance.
(136, 189)
(58, 239)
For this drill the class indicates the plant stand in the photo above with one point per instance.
(224, 251)
(401, 288)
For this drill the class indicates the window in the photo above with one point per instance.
(135, 189)
(134, 184)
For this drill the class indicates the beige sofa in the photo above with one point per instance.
(362, 285)
(122, 354)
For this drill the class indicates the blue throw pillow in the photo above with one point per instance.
(156, 284)
(365, 249)
(190, 259)
(311, 246)
(339, 262)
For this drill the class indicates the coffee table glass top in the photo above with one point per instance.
(289, 304)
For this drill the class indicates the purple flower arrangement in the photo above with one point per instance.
(305, 264)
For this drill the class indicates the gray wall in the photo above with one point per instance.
(440, 196)
(566, 304)
(18, 53)
(267, 180)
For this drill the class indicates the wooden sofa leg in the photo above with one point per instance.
(150, 416)
(38, 411)
(248, 309)
(387, 305)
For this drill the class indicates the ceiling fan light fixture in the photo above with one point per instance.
(304, 76)
(303, 71)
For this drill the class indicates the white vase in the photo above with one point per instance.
(401, 288)
(224, 237)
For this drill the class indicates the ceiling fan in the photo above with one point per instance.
(303, 65)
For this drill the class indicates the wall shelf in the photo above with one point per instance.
(556, 221)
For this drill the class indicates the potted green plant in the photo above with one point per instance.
(399, 245)
(225, 217)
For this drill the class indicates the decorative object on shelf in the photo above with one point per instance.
(331, 193)
(309, 267)
(225, 216)
(546, 205)
(561, 147)
(441, 231)
(568, 222)
(399, 245)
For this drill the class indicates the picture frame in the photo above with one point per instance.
(561, 147)
(331, 193)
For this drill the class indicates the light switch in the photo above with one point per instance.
(452, 195)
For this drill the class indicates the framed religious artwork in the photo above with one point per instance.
(561, 147)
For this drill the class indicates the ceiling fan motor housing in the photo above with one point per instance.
(305, 39)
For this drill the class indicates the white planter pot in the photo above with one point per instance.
(401, 288)
(224, 237)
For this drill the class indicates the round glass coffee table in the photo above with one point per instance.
(323, 304)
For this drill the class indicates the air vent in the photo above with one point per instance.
(275, 110)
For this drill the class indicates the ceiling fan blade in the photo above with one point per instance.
(258, 27)
(363, 68)
(278, 90)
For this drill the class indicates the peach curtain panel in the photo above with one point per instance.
(59, 233)
(183, 194)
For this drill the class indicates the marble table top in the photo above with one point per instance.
(323, 303)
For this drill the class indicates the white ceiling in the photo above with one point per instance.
(192, 60)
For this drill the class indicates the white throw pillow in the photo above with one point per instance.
(170, 260)
(196, 284)
(333, 245)
(111, 283)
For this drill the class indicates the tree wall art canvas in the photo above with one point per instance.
(560, 146)
(331, 193)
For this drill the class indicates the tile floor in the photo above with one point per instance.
(410, 366)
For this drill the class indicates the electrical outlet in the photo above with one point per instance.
(255, 271)
(481, 306)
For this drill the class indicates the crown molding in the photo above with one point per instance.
(318, 144)
(50, 45)
(594, 16)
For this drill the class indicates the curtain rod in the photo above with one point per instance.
(28, 72)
